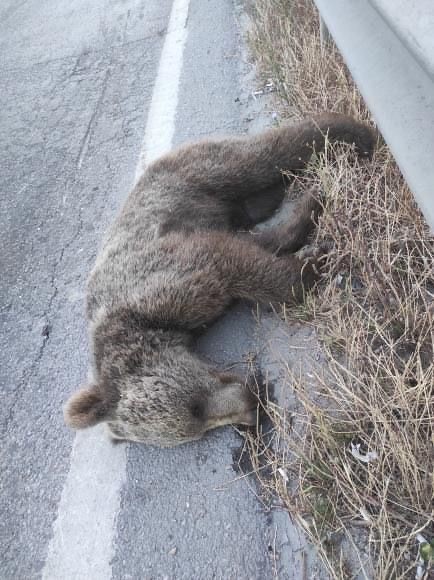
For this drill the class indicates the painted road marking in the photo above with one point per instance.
(81, 546)
(82, 542)
(160, 126)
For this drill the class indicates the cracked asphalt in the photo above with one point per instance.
(77, 80)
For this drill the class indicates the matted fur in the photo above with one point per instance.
(174, 260)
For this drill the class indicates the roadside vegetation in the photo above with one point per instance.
(356, 468)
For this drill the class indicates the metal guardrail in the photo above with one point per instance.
(388, 46)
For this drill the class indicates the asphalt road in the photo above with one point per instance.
(77, 85)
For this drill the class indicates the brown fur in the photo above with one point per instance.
(173, 262)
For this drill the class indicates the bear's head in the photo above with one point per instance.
(150, 387)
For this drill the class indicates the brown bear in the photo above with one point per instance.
(173, 262)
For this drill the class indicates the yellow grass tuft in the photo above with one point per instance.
(374, 316)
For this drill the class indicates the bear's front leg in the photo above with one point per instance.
(252, 273)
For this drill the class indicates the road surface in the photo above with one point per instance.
(89, 91)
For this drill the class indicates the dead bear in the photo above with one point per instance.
(174, 260)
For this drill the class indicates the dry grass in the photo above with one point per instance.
(374, 315)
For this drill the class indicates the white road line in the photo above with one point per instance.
(160, 126)
(82, 543)
(81, 546)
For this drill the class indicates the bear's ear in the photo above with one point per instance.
(86, 408)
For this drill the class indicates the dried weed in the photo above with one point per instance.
(374, 315)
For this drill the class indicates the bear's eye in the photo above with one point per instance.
(198, 410)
